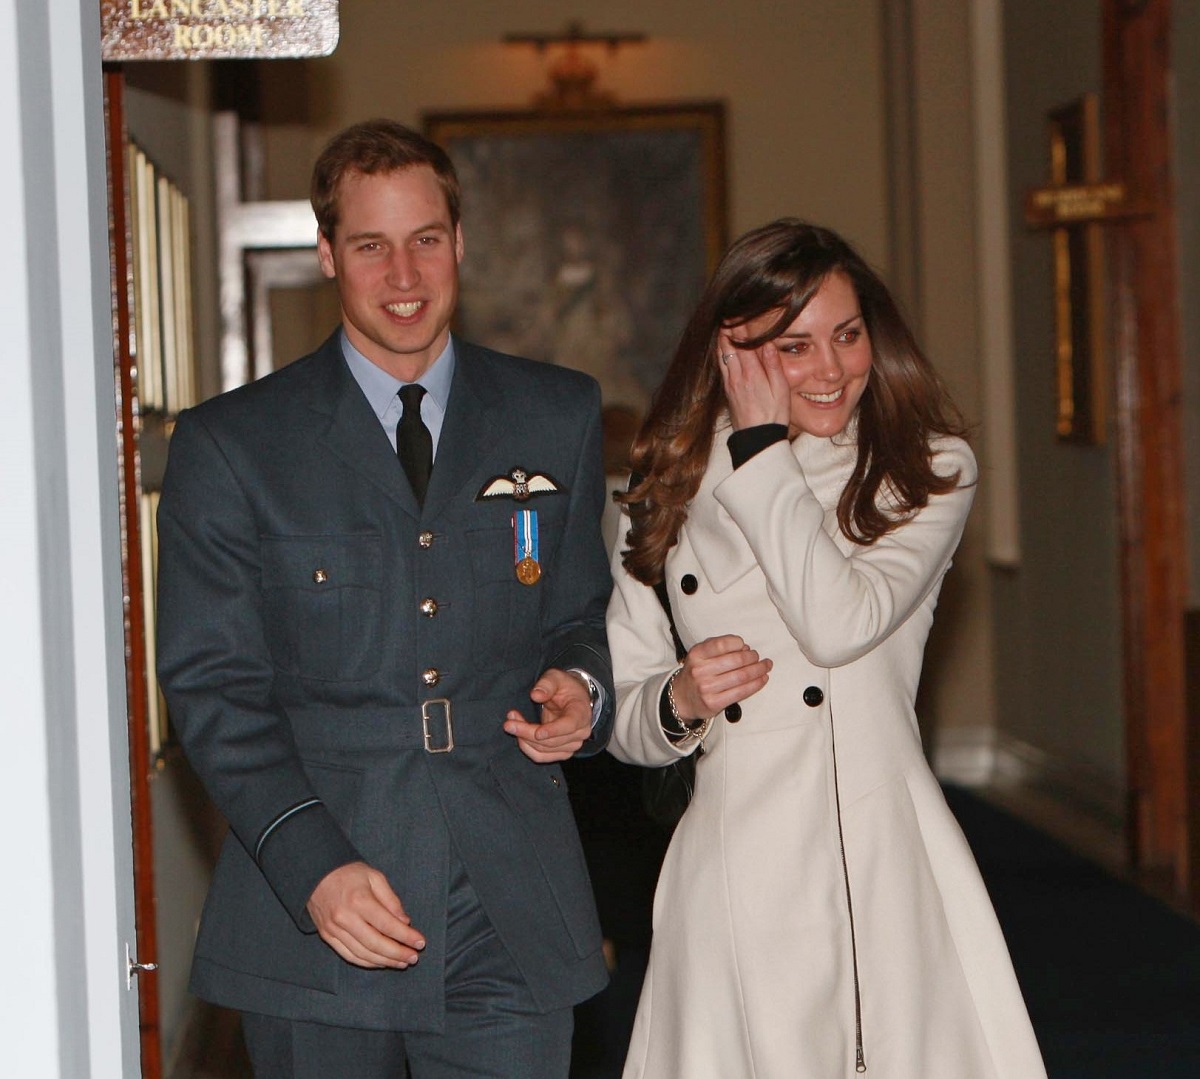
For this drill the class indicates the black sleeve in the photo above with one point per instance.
(745, 443)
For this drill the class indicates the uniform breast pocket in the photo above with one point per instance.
(504, 628)
(322, 604)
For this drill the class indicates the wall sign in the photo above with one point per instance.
(217, 29)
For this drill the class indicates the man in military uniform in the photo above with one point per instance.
(382, 589)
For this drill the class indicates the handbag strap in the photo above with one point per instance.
(659, 586)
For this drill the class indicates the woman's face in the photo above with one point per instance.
(826, 358)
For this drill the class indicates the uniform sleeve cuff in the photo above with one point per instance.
(297, 852)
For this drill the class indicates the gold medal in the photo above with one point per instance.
(529, 571)
(525, 547)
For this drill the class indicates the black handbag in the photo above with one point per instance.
(666, 791)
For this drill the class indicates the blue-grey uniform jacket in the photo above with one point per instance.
(313, 621)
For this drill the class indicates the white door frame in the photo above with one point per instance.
(67, 905)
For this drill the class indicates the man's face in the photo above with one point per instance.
(395, 259)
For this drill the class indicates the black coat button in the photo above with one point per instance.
(813, 696)
(734, 712)
(689, 584)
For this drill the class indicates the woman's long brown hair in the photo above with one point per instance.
(779, 267)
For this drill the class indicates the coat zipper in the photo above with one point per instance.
(860, 1060)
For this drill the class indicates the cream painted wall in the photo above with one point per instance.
(955, 693)
(803, 84)
(1058, 614)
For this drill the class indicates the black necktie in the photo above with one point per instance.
(414, 443)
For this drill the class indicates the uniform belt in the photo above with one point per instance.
(436, 725)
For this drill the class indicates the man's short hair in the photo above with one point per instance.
(377, 146)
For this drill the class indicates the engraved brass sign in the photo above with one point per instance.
(217, 29)
(1051, 207)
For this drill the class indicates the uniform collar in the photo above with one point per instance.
(380, 388)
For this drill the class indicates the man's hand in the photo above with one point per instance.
(566, 718)
(359, 916)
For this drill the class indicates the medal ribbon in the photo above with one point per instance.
(525, 535)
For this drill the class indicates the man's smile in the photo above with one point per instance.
(405, 310)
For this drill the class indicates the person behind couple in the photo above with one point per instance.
(376, 665)
(805, 487)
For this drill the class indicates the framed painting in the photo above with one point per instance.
(589, 234)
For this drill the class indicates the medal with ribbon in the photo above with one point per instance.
(525, 547)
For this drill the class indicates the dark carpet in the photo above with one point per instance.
(1111, 976)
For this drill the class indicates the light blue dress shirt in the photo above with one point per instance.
(381, 389)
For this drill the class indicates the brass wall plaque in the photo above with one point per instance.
(1050, 207)
(217, 29)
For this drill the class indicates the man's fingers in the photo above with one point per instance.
(382, 891)
(549, 742)
(539, 754)
(359, 915)
(373, 935)
(525, 731)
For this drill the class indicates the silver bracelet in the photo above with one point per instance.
(688, 729)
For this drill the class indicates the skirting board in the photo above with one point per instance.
(1077, 804)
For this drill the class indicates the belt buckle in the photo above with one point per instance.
(446, 712)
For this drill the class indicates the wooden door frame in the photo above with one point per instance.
(140, 765)
(1145, 333)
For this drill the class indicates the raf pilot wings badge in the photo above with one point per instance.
(518, 485)
(521, 486)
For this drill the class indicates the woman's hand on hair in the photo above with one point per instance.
(718, 672)
(755, 386)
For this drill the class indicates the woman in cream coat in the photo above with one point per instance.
(819, 914)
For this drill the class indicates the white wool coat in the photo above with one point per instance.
(771, 947)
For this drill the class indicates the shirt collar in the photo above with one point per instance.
(380, 388)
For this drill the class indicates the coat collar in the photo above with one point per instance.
(719, 545)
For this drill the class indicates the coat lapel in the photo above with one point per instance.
(354, 434)
(473, 423)
(718, 544)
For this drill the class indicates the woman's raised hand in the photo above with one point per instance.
(755, 386)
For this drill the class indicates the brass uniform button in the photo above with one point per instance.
(813, 697)
(429, 606)
(320, 576)
(431, 676)
(425, 540)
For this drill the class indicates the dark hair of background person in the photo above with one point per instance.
(778, 268)
(377, 146)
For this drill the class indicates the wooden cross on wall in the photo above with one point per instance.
(1075, 205)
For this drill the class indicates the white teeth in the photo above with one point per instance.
(824, 398)
(406, 310)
